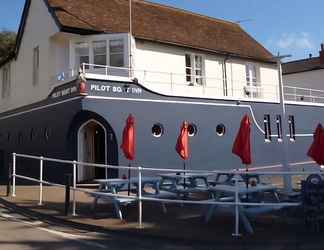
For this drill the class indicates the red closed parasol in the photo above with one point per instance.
(242, 144)
(316, 150)
(182, 146)
(128, 143)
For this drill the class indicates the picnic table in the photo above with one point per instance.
(117, 185)
(183, 184)
(227, 192)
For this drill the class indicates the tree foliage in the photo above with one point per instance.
(7, 44)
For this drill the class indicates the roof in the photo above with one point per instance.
(303, 65)
(157, 23)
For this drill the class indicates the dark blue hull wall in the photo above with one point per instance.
(51, 129)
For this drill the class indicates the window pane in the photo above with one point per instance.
(81, 53)
(116, 46)
(100, 60)
(99, 47)
(117, 60)
(188, 61)
(198, 61)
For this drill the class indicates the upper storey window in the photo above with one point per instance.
(6, 81)
(116, 53)
(100, 52)
(251, 75)
(252, 88)
(194, 69)
(81, 53)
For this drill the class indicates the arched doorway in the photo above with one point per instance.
(92, 147)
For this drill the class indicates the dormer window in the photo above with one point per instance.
(116, 53)
(81, 53)
(99, 52)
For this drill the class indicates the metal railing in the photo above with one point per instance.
(299, 94)
(140, 198)
(177, 84)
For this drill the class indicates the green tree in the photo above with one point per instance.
(7, 44)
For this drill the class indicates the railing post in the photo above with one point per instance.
(41, 181)
(106, 70)
(74, 187)
(13, 174)
(295, 93)
(237, 214)
(140, 211)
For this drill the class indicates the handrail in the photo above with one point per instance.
(236, 203)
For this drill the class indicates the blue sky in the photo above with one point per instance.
(289, 27)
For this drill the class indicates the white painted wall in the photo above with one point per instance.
(155, 63)
(39, 28)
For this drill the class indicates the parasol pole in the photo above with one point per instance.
(129, 175)
(247, 180)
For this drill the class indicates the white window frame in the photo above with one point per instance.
(252, 88)
(194, 77)
(6, 81)
(95, 38)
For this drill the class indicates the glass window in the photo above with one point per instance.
(291, 122)
(6, 81)
(279, 127)
(267, 128)
(157, 130)
(194, 69)
(81, 53)
(251, 75)
(100, 52)
(36, 66)
(220, 129)
(116, 53)
(192, 130)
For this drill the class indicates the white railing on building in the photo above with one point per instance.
(176, 84)
(140, 198)
(298, 94)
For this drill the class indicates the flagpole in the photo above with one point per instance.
(184, 173)
(130, 39)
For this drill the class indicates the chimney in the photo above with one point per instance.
(322, 55)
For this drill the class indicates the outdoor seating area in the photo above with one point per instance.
(215, 198)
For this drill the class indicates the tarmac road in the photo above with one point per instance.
(22, 233)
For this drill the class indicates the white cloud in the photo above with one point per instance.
(301, 40)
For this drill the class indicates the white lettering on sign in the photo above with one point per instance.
(65, 92)
(115, 89)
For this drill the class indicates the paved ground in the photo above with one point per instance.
(181, 228)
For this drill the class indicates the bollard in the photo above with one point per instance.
(68, 182)
(9, 180)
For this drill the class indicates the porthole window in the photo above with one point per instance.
(220, 129)
(157, 130)
(192, 129)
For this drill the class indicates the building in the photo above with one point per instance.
(81, 66)
(306, 77)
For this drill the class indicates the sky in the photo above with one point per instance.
(285, 26)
